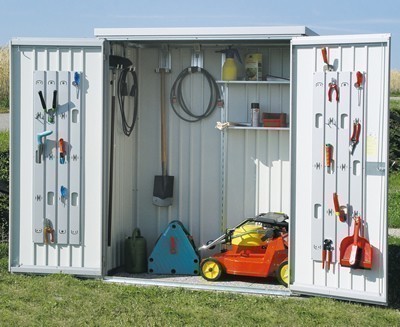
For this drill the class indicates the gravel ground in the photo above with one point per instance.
(394, 232)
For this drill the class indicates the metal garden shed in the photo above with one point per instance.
(79, 185)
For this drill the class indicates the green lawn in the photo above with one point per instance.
(62, 300)
(394, 201)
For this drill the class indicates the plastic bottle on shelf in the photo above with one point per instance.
(229, 68)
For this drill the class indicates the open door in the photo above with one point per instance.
(57, 132)
(340, 94)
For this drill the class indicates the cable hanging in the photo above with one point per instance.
(122, 93)
(176, 96)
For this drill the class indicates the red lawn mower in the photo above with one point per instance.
(257, 247)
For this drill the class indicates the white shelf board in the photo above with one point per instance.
(261, 128)
(254, 82)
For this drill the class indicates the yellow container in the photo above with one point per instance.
(247, 235)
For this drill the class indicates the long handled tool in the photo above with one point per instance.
(355, 251)
(163, 185)
(116, 62)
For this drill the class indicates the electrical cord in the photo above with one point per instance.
(176, 95)
(122, 92)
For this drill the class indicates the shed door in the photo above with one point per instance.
(340, 166)
(56, 156)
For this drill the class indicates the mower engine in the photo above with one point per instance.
(257, 247)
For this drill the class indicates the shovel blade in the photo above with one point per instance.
(163, 190)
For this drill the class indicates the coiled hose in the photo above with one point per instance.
(177, 101)
(122, 92)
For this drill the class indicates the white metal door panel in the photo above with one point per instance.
(52, 190)
(324, 114)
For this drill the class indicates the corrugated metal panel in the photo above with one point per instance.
(367, 185)
(85, 57)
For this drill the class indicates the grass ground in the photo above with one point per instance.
(394, 201)
(62, 300)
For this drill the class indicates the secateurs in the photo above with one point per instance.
(333, 87)
(355, 136)
(51, 111)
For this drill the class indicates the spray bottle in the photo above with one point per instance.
(229, 69)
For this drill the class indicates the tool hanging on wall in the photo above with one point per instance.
(163, 189)
(40, 150)
(333, 87)
(339, 211)
(116, 63)
(356, 251)
(52, 111)
(329, 158)
(177, 100)
(76, 82)
(355, 136)
(327, 66)
(358, 85)
(62, 151)
(63, 194)
(48, 231)
(327, 249)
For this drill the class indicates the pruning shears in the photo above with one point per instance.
(355, 136)
(51, 111)
(333, 87)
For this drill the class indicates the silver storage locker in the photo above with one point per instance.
(343, 108)
(56, 156)
(60, 194)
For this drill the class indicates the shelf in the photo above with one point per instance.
(254, 82)
(260, 128)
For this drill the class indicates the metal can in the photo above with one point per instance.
(255, 114)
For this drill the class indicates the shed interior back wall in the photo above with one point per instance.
(209, 193)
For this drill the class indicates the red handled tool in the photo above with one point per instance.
(327, 253)
(339, 212)
(62, 151)
(355, 136)
(358, 85)
(356, 251)
(328, 157)
(327, 66)
(333, 87)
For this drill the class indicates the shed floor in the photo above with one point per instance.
(237, 284)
